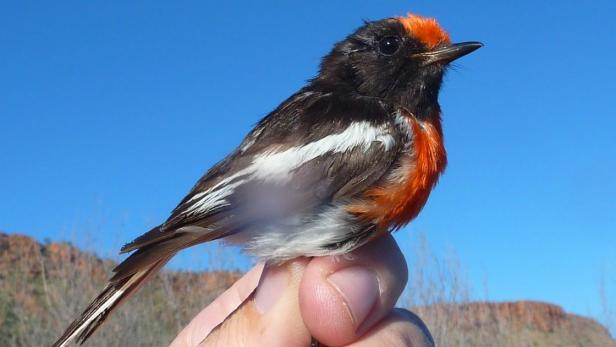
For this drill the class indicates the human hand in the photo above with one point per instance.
(341, 301)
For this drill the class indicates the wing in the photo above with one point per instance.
(312, 150)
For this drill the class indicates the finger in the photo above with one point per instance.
(272, 317)
(400, 328)
(216, 312)
(342, 297)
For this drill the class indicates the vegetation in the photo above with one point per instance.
(43, 287)
(440, 295)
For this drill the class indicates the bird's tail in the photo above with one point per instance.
(106, 302)
(150, 252)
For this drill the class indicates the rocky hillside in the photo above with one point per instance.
(43, 286)
(520, 323)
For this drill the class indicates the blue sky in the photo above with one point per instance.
(110, 112)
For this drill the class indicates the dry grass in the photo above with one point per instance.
(439, 292)
(436, 290)
(43, 287)
(607, 315)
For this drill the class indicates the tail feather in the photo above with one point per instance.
(150, 254)
(105, 303)
(148, 257)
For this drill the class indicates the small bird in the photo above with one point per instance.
(350, 157)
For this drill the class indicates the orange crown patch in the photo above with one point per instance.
(426, 30)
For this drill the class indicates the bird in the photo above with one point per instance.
(350, 157)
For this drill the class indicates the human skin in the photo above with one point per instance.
(340, 300)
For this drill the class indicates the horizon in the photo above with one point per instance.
(111, 113)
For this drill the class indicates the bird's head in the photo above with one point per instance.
(401, 60)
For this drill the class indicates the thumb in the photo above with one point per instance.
(272, 317)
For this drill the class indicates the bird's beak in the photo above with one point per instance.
(448, 54)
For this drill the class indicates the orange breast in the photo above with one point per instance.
(399, 200)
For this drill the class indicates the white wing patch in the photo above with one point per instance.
(278, 166)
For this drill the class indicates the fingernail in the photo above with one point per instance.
(271, 286)
(360, 289)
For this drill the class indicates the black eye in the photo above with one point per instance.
(389, 45)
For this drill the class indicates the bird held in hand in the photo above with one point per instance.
(348, 158)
